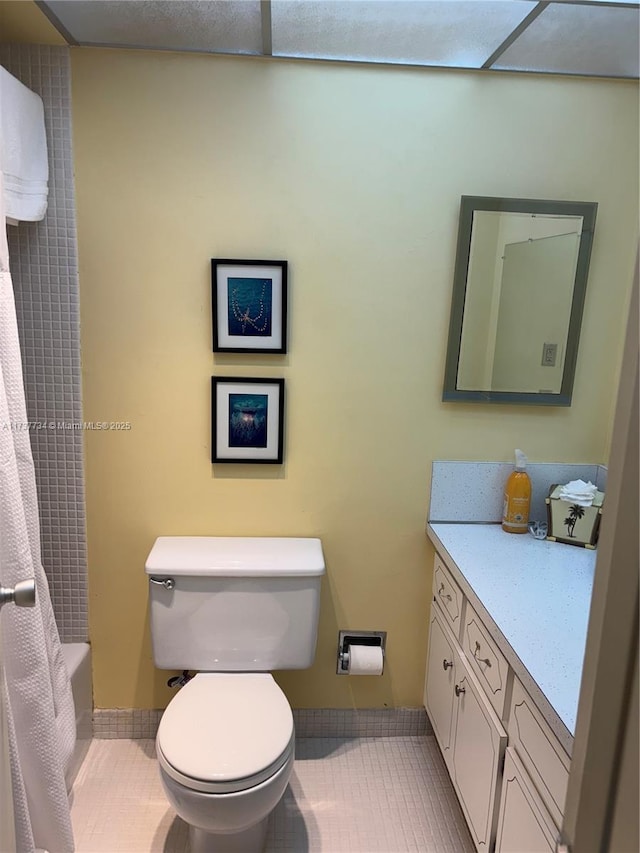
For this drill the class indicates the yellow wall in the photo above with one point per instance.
(21, 21)
(353, 174)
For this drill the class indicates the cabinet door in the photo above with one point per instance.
(440, 679)
(524, 825)
(479, 742)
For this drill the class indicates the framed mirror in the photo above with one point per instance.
(518, 294)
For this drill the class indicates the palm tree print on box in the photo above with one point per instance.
(575, 512)
(248, 420)
(250, 307)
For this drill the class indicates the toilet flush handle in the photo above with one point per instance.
(168, 583)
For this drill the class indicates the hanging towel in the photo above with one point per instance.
(41, 714)
(23, 150)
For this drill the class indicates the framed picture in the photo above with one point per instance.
(247, 419)
(249, 300)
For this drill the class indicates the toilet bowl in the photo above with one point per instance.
(225, 748)
(235, 609)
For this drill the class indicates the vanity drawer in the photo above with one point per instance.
(448, 595)
(539, 750)
(485, 660)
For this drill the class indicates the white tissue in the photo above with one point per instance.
(578, 492)
(365, 660)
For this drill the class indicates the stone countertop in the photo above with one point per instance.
(537, 595)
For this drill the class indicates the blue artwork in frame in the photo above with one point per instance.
(247, 419)
(249, 306)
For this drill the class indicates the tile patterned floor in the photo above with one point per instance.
(361, 795)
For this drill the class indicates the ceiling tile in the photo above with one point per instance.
(599, 2)
(461, 34)
(598, 40)
(590, 37)
(218, 26)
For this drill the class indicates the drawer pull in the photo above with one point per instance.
(460, 690)
(446, 664)
(443, 594)
(480, 660)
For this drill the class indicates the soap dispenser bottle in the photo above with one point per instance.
(517, 498)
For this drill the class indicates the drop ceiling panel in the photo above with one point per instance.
(461, 34)
(598, 40)
(587, 37)
(599, 2)
(216, 26)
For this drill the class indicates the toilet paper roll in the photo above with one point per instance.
(365, 660)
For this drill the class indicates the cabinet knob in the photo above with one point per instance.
(446, 664)
(459, 690)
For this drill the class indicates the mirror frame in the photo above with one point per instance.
(468, 205)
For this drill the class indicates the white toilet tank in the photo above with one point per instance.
(234, 604)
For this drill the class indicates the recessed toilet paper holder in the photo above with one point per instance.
(358, 638)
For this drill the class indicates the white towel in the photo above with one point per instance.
(23, 150)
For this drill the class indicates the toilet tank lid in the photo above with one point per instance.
(236, 556)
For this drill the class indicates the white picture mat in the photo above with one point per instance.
(222, 449)
(227, 271)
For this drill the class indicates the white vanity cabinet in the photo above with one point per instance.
(545, 762)
(448, 595)
(439, 695)
(524, 826)
(468, 731)
(486, 661)
(511, 782)
(479, 742)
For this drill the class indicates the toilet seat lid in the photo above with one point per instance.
(226, 730)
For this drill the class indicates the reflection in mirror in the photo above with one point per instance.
(518, 302)
(518, 295)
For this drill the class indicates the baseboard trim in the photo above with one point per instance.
(134, 723)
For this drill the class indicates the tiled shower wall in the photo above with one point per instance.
(43, 258)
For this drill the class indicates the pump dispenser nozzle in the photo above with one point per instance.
(521, 461)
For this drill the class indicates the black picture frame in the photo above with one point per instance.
(249, 306)
(247, 420)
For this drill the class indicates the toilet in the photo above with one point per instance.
(233, 609)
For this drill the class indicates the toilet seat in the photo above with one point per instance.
(226, 732)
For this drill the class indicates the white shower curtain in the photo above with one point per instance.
(41, 711)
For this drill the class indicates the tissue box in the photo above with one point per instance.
(571, 523)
